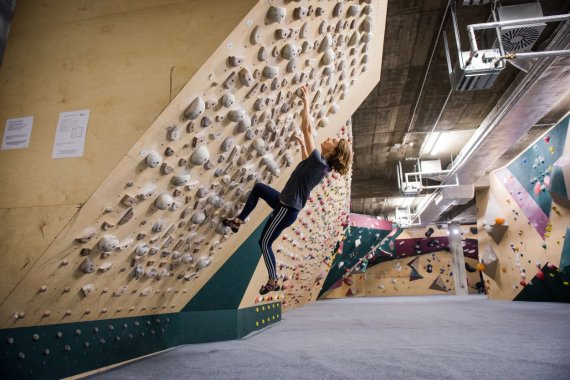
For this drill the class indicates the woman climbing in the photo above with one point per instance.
(335, 155)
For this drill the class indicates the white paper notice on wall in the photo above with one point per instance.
(70, 134)
(17, 133)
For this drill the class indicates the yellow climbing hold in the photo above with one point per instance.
(257, 323)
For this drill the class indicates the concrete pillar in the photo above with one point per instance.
(456, 249)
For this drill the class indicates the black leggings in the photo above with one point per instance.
(281, 218)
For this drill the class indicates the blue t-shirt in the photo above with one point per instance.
(304, 178)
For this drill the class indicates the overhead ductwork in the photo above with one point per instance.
(529, 98)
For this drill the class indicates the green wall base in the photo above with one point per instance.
(56, 351)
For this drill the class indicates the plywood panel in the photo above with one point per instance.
(54, 292)
(34, 227)
(113, 64)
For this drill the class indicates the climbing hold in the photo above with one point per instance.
(163, 201)
(300, 13)
(228, 100)
(86, 237)
(87, 266)
(195, 109)
(180, 180)
(270, 72)
(303, 32)
(198, 217)
(227, 144)
(325, 43)
(499, 220)
(236, 115)
(200, 156)
(245, 77)
(289, 51)
(255, 36)
(276, 14)
(203, 262)
(337, 10)
(234, 61)
(366, 25)
(282, 34)
(88, 289)
(353, 10)
(328, 57)
(108, 243)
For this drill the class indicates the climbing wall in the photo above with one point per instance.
(413, 261)
(138, 246)
(523, 219)
(355, 248)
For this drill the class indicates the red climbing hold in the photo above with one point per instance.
(540, 275)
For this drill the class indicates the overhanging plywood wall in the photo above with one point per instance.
(105, 56)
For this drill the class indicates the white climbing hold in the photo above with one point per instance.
(153, 160)
(228, 100)
(198, 217)
(108, 243)
(163, 201)
(236, 115)
(88, 289)
(200, 156)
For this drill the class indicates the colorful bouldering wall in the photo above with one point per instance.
(414, 261)
(361, 238)
(523, 221)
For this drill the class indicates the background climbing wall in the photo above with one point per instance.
(352, 252)
(132, 229)
(523, 219)
(408, 262)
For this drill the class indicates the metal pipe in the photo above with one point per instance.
(522, 22)
(538, 54)
(498, 31)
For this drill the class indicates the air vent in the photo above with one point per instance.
(517, 39)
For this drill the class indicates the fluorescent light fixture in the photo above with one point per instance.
(430, 141)
(437, 146)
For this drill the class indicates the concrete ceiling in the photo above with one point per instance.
(414, 97)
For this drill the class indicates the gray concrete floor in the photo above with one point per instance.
(435, 337)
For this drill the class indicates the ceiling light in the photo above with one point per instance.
(437, 146)
(430, 141)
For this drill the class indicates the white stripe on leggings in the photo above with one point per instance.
(278, 218)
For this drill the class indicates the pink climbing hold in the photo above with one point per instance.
(537, 188)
